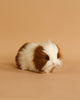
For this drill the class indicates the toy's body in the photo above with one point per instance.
(38, 57)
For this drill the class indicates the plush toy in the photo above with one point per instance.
(39, 57)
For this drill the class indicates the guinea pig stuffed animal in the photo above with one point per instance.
(39, 57)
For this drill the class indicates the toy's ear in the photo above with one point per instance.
(59, 55)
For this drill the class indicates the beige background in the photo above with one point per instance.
(38, 21)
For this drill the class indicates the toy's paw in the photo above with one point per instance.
(52, 70)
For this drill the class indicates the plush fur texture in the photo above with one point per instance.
(39, 57)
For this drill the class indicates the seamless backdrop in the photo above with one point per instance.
(38, 21)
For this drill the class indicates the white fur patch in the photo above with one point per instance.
(26, 57)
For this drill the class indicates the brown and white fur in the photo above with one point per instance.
(39, 57)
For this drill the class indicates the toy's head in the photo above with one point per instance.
(47, 56)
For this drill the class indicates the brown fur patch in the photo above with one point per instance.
(39, 58)
(59, 53)
(17, 56)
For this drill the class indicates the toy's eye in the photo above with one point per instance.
(47, 57)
